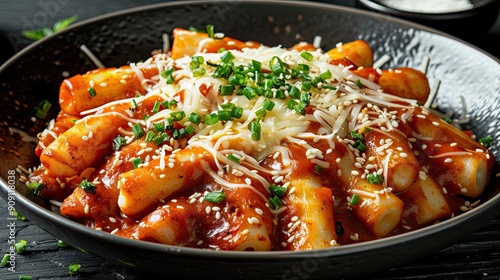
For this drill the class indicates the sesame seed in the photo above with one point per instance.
(245, 232)
(215, 208)
(290, 240)
(294, 219)
(354, 237)
(199, 242)
(259, 211)
(179, 207)
(464, 208)
(453, 144)
(358, 165)
(114, 231)
(448, 160)
(85, 138)
(192, 200)
(283, 244)
(86, 209)
(445, 191)
(354, 172)
(208, 209)
(404, 155)
(111, 219)
(292, 190)
(162, 176)
(255, 220)
(463, 190)
(435, 123)
(333, 242)
(217, 215)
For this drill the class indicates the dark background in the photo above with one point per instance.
(475, 257)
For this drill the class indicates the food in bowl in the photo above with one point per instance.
(229, 145)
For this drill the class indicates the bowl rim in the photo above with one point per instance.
(375, 5)
(374, 245)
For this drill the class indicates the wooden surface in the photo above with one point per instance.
(475, 257)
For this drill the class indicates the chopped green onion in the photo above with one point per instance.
(291, 104)
(25, 277)
(280, 94)
(326, 75)
(169, 123)
(156, 107)
(177, 116)
(359, 145)
(300, 108)
(216, 197)
(486, 141)
(304, 68)
(227, 106)
(137, 130)
(179, 133)
(257, 66)
(145, 117)
(318, 170)
(306, 85)
(196, 61)
(275, 202)
(307, 56)
(354, 199)
(42, 109)
(35, 187)
(268, 105)
(227, 57)
(194, 118)
(277, 190)
(447, 120)
(167, 75)
(368, 129)
(211, 119)
(255, 130)
(356, 135)
(233, 158)
(87, 186)
(5, 260)
(150, 136)
(74, 268)
(375, 178)
(160, 138)
(62, 244)
(92, 91)
(226, 89)
(136, 162)
(134, 105)
(63, 23)
(224, 115)
(260, 113)
(358, 83)
(118, 142)
(294, 92)
(305, 97)
(18, 215)
(277, 66)
(198, 72)
(210, 31)
(159, 127)
(237, 112)
(189, 129)
(20, 246)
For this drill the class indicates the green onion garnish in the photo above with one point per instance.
(169, 123)
(167, 75)
(486, 141)
(326, 75)
(177, 116)
(226, 89)
(160, 138)
(307, 56)
(118, 142)
(318, 170)
(354, 199)
(42, 109)
(35, 187)
(194, 118)
(358, 83)
(74, 268)
(5, 260)
(277, 190)
(211, 119)
(92, 91)
(20, 246)
(25, 277)
(137, 130)
(237, 112)
(233, 158)
(255, 130)
(375, 178)
(150, 136)
(356, 135)
(62, 244)
(159, 127)
(268, 105)
(216, 197)
(275, 202)
(18, 215)
(156, 107)
(210, 31)
(136, 162)
(227, 57)
(224, 115)
(87, 186)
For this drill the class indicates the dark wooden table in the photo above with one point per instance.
(475, 257)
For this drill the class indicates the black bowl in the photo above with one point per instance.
(476, 18)
(35, 73)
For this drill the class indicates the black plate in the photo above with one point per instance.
(35, 74)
